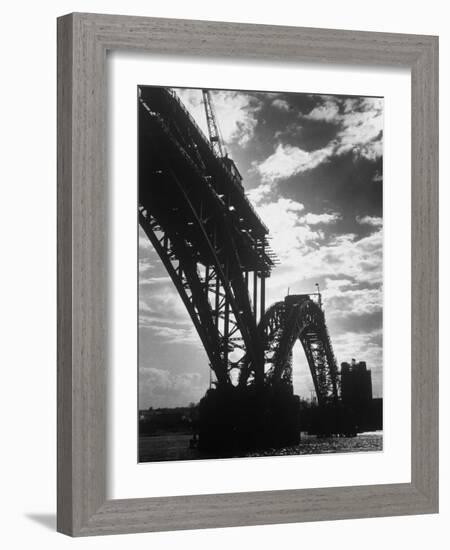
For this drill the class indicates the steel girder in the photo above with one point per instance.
(226, 265)
(193, 230)
(282, 325)
(178, 261)
(171, 210)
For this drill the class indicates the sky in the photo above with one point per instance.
(312, 167)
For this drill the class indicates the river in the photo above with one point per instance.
(176, 447)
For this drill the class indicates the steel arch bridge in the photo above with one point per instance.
(300, 318)
(193, 209)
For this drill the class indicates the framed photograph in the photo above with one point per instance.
(247, 274)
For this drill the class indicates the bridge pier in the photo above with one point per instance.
(236, 420)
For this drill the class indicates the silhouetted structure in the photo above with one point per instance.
(356, 396)
(356, 384)
(193, 208)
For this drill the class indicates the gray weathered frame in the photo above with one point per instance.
(83, 40)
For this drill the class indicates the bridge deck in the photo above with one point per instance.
(179, 158)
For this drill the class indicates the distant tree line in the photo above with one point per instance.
(168, 420)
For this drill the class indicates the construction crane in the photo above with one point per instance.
(216, 138)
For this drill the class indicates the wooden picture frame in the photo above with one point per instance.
(83, 40)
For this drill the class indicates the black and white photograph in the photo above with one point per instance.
(260, 271)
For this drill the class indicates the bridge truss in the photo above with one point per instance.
(193, 209)
(299, 318)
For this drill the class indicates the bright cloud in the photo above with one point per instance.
(361, 123)
(288, 232)
(327, 111)
(315, 219)
(360, 128)
(281, 104)
(287, 161)
(374, 221)
(362, 131)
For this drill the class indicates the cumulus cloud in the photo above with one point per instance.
(360, 122)
(359, 125)
(289, 233)
(328, 111)
(374, 221)
(287, 161)
(362, 131)
(315, 219)
(260, 193)
(281, 104)
(344, 256)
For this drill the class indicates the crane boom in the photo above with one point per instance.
(215, 137)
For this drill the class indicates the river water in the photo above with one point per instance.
(176, 447)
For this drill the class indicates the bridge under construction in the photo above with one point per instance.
(216, 249)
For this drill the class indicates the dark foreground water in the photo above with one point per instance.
(176, 447)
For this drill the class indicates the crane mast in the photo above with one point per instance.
(215, 137)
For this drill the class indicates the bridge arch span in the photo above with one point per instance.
(301, 318)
